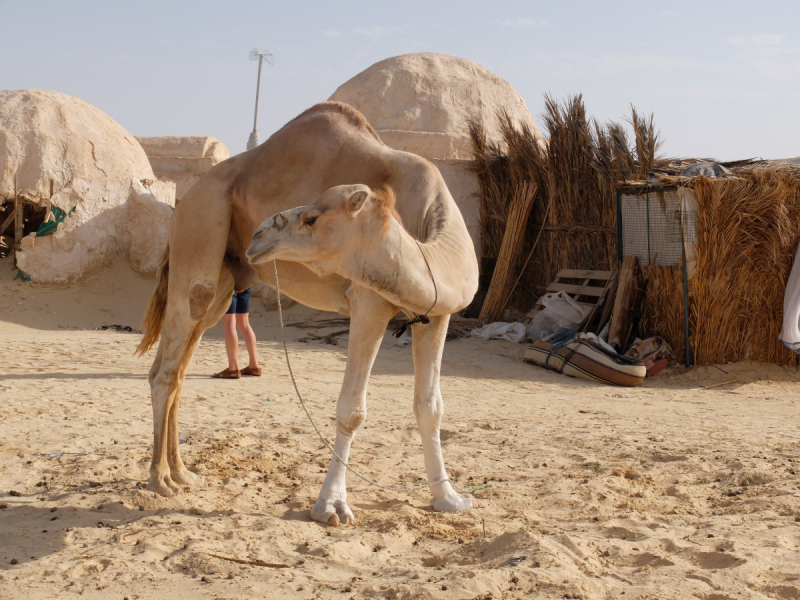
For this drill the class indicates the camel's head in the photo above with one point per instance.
(317, 233)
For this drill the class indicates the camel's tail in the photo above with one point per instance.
(156, 308)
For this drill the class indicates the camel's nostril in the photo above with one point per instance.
(259, 233)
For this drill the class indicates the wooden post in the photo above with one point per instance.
(49, 203)
(18, 220)
(610, 297)
(623, 303)
(8, 221)
(603, 301)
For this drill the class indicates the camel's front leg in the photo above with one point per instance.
(427, 346)
(369, 314)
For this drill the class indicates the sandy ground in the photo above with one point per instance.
(666, 491)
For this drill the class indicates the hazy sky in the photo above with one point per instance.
(722, 78)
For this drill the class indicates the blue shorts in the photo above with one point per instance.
(240, 303)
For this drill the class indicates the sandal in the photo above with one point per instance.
(227, 374)
(254, 371)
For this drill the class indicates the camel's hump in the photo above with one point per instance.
(351, 114)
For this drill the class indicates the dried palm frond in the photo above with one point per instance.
(647, 141)
(748, 229)
(662, 313)
(576, 174)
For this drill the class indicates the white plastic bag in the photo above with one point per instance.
(512, 332)
(564, 309)
(542, 325)
(790, 334)
(560, 310)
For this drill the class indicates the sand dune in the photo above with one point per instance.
(666, 491)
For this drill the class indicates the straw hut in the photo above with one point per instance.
(738, 234)
(742, 231)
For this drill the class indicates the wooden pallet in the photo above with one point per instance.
(588, 288)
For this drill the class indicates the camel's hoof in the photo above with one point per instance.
(453, 502)
(163, 486)
(186, 477)
(344, 514)
(332, 513)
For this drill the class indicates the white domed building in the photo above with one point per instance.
(421, 103)
(59, 153)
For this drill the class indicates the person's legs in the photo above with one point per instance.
(231, 340)
(249, 336)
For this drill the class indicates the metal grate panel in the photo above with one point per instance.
(651, 227)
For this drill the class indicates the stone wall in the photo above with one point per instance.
(183, 160)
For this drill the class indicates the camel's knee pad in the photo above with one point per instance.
(352, 422)
(201, 295)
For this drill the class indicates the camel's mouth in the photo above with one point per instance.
(260, 254)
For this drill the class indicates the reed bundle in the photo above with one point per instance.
(575, 171)
(499, 289)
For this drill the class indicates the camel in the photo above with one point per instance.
(401, 200)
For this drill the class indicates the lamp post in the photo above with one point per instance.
(260, 57)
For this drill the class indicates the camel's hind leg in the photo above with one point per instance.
(427, 347)
(165, 375)
(179, 339)
(178, 471)
(369, 316)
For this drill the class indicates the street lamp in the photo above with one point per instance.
(260, 57)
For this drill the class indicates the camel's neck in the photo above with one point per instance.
(399, 268)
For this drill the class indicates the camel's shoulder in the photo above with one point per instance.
(350, 114)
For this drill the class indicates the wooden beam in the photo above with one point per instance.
(611, 295)
(18, 221)
(7, 222)
(579, 274)
(540, 306)
(49, 203)
(602, 301)
(577, 290)
(622, 315)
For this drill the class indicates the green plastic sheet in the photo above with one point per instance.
(49, 228)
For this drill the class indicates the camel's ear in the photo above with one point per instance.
(357, 200)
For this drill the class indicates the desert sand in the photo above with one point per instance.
(588, 491)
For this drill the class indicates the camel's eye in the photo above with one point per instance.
(308, 221)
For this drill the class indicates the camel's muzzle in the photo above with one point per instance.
(262, 246)
(258, 253)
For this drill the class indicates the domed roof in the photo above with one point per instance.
(422, 102)
(47, 135)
